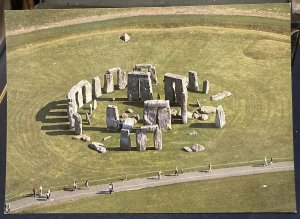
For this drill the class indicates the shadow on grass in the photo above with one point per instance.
(43, 112)
(54, 133)
(136, 104)
(102, 193)
(68, 189)
(56, 127)
(203, 125)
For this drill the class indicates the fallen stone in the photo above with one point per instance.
(98, 147)
(136, 117)
(128, 123)
(203, 117)
(86, 138)
(193, 133)
(207, 109)
(124, 116)
(197, 148)
(129, 110)
(106, 138)
(220, 96)
(220, 117)
(187, 149)
(174, 112)
(196, 115)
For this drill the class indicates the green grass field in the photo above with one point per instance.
(248, 56)
(236, 194)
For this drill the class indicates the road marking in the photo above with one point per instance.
(3, 93)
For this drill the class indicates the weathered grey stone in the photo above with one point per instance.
(87, 118)
(146, 92)
(86, 90)
(164, 118)
(106, 138)
(220, 96)
(158, 139)
(80, 93)
(79, 98)
(220, 117)
(121, 80)
(150, 69)
(71, 110)
(141, 140)
(174, 112)
(129, 110)
(128, 123)
(207, 109)
(205, 88)
(174, 86)
(91, 109)
(108, 82)
(193, 81)
(150, 114)
(184, 113)
(197, 148)
(94, 104)
(78, 124)
(187, 149)
(149, 128)
(86, 138)
(203, 117)
(125, 37)
(134, 88)
(157, 103)
(136, 117)
(124, 116)
(195, 115)
(112, 118)
(193, 133)
(96, 84)
(98, 147)
(125, 141)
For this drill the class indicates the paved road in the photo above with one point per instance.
(141, 183)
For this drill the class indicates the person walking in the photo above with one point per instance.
(48, 194)
(6, 208)
(176, 171)
(271, 160)
(41, 190)
(110, 188)
(182, 170)
(86, 184)
(266, 162)
(34, 192)
(158, 174)
(209, 167)
(74, 185)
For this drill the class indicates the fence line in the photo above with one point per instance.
(165, 171)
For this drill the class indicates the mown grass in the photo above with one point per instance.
(40, 73)
(235, 194)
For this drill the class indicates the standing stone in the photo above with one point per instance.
(91, 109)
(125, 141)
(78, 124)
(205, 87)
(164, 118)
(128, 123)
(184, 113)
(220, 117)
(88, 119)
(193, 81)
(79, 98)
(174, 85)
(158, 139)
(121, 79)
(112, 118)
(125, 37)
(150, 114)
(94, 104)
(86, 91)
(71, 111)
(96, 84)
(145, 88)
(108, 83)
(141, 140)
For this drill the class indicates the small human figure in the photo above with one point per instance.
(34, 192)
(182, 170)
(41, 190)
(48, 194)
(158, 96)
(271, 160)
(86, 184)
(74, 185)
(176, 171)
(158, 174)
(209, 167)
(125, 178)
(266, 162)
(110, 188)
(6, 208)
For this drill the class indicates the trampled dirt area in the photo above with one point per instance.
(152, 11)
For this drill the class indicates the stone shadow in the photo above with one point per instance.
(203, 125)
(44, 111)
(139, 104)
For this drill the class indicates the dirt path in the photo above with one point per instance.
(141, 183)
(149, 11)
